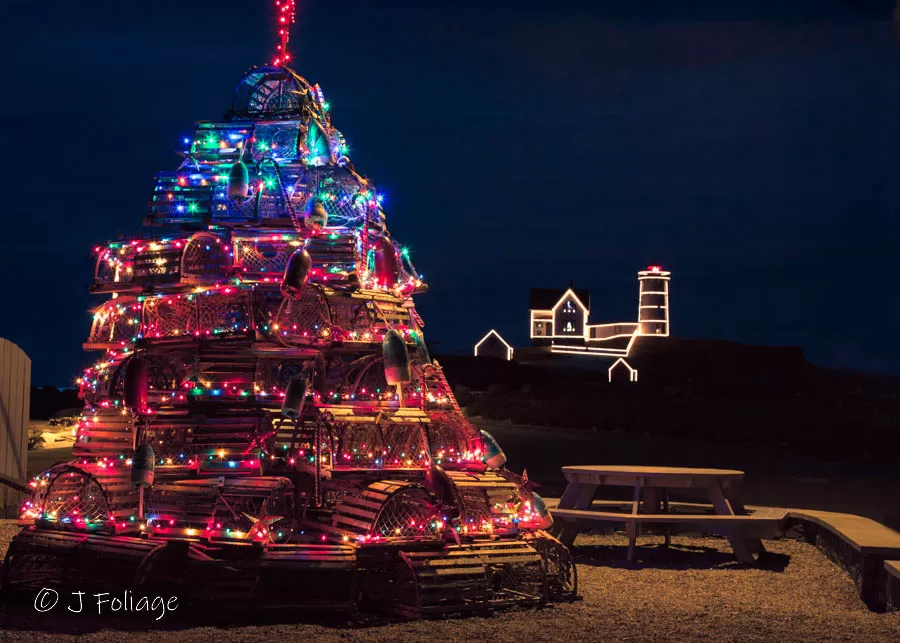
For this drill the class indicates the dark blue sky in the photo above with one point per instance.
(750, 147)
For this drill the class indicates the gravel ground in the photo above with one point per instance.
(694, 591)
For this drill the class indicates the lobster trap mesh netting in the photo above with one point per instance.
(353, 316)
(559, 567)
(115, 266)
(304, 319)
(516, 581)
(264, 257)
(115, 323)
(372, 383)
(346, 200)
(238, 505)
(487, 501)
(345, 206)
(224, 313)
(357, 444)
(203, 257)
(75, 498)
(170, 317)
(386, 446)
(452, 438)
(404, 445)
(408, 512)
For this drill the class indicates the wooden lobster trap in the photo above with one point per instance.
(89, 498)
(488, 503)
(39, 558)
(422, 580)
(387, 509)
(240, 576)
(250, 509)
(246, 576)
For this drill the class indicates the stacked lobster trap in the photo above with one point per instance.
(265, 425)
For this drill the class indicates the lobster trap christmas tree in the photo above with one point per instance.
(265, 425)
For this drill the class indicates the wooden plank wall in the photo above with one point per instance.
(15, 400)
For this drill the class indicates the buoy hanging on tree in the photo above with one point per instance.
(142, 466)
(544, 518)
(377, 224)
(302, 140)
(438, 483)
(320, 375)
(317, 144)
(296, 274)
(292, 406)
(396, 358)
(422, 348)
(136, 385)
(315, 216)
(238, 181)
(493, 454)
(386, 266)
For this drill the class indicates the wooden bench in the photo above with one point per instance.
(860, 545)
(892, 584)
(757, 525)
(863, 534)
(746, 528)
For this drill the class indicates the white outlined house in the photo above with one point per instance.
(559, 318)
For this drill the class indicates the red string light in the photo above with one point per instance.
(285, 13)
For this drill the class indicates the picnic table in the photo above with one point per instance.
(650, 505)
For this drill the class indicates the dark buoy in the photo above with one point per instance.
(292, 406)
(422, 348)
(396, 358)
(297, 272)
(320, 375)
(302, 140)
(377, 225)
(540, 508)
(136, 385)
(493, 454)
(142, 466)
(238, 181)
(438, 483)
(315, 216)
(386, 266)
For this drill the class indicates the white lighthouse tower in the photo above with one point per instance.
(653, 302)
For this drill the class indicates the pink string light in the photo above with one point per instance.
(285, 13)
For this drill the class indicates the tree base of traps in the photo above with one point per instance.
(411, 578)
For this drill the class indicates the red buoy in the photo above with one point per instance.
(386, 265)
(143, 464)
(136, 385)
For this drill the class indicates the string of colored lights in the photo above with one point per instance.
(285, 14)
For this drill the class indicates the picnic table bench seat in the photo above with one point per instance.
(761, 524)
(892, 585)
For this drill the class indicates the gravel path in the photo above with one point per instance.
(694, 591)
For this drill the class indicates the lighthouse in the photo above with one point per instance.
(653, 302)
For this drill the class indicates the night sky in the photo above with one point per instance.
(750, 147)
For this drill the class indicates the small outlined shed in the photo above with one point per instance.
(622, 371)
(492, 345)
